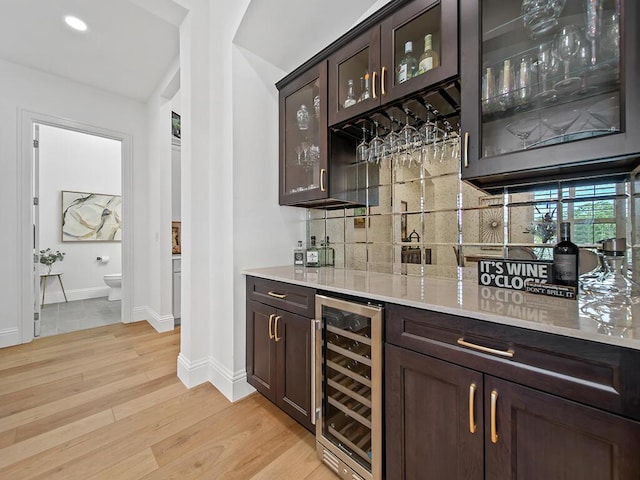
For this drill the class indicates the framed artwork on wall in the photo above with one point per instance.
(91, 217)
(175, 128)
(175, 238)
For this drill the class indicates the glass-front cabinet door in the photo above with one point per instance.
(413, 48)
(354, 77)
(547, 83)
(419, 47)
(303, 138)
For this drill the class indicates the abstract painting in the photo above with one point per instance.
(91, 217)
(176, 244)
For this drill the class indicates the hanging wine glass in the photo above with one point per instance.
(426, 135)
(375, 146)
(406, 140)
(391, 144)
(362, 150)
(567, 45)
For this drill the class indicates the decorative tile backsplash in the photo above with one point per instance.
(428, 222)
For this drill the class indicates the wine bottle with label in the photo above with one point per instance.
(429, 59)
(408, 66)
(565, 259)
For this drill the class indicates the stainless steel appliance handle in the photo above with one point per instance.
(312, 409)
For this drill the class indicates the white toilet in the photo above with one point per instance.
(114, 282)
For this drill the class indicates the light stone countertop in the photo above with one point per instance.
(463, 298)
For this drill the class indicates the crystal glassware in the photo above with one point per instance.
(523, 128)
(541, 16)
(522, 96)
(545, 65)
(567, 45)
(560, 122)
(488, 91)
(390, 146)
(406, 141)
(375, 146)
(362, 150)
(505, 86)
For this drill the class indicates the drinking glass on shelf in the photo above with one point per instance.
(375, 146)
(505, 86)
(582, 62)
(611, 35)
(593, 28)
(541, 16)
(524, 127)
(545, 65)
(560, 122)
(522, 96)
(488, 91)
(362, 152)
(567, 45)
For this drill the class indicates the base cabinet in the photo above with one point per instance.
(448, 414)
(279, 358)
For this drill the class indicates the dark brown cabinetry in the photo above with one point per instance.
(372, 59)
(471, 400)
(279, 345)
(548, 94)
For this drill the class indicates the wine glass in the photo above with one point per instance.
(582, 62)
(545, 65)
(567, 45)
(561, 122)
(391, 144)
(593, 28)
(427, 132)
(375, 146)
(406, 140)
(541, 16)
(605, 114)
(362, 152)
(524, 127)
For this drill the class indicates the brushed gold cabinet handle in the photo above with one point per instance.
(375, 95)
(323, 172)
(277, 295)
(503, 353)
(466, 149)
(494, 428)
(271, 326)
(472, 401)
(383, 80)
(276, 329)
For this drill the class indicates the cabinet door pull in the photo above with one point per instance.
(503, 353)
(323, 172)
(281, 296)
(276, 329)
(472, 402)
(271, 326)
(312, 411)
(466, 149)
(383, 80)
(375, 95)
(494, 404)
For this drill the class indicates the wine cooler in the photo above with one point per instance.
(348, 387)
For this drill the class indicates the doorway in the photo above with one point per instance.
(66, 162)
(78, 217)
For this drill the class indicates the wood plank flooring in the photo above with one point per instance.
(106, 404)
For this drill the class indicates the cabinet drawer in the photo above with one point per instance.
(600, 375)
(292, 298)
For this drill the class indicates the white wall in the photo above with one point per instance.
(25, 89)
(76, 161)
(230, 213)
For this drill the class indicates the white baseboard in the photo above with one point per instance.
(232, 386)
(9, 337)
(56, 296)
(161, 323)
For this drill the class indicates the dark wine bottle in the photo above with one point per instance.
(565, 259)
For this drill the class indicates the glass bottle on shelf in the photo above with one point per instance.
(366, 89)
(351, 97)
(429, 58)
(303, 117)
(408, 66)
(329, 254)
(312, 255)
(298, 254)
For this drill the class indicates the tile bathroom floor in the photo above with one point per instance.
(78, 315)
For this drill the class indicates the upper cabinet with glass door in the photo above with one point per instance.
(549, 88)
(413, 48)
(303, 138)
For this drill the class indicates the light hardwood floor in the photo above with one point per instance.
(106, 404)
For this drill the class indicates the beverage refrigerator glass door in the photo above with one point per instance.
(348, 392)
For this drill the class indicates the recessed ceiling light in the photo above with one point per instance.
(75, 23)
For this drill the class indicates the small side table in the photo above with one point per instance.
(43, 285)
